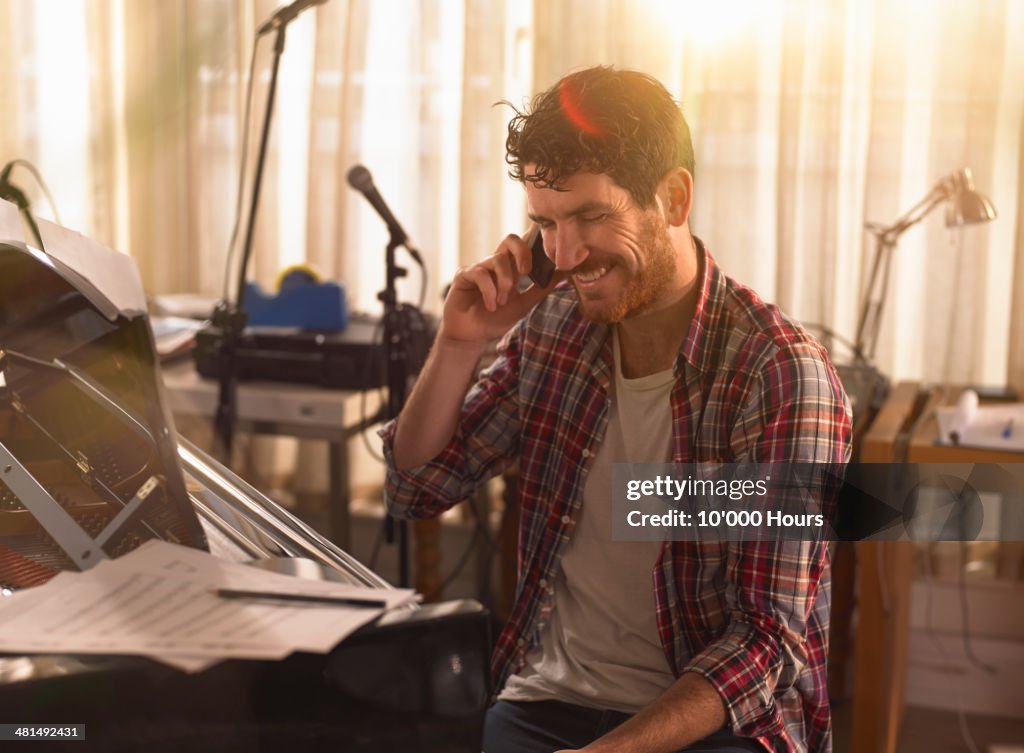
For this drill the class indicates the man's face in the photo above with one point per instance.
(619, 257)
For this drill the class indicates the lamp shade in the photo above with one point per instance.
(965, 205)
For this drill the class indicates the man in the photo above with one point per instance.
(641, 350)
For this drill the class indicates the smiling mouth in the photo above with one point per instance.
(590, 276)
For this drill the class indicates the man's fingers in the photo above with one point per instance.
(520, 251)
(506, 275)
(496, 280)
(527, 299)
(482, 277)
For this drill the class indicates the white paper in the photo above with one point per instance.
(999, 426)
(112, 273)
(173, 334)
(158, 601)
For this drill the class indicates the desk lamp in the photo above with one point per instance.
(964, 206)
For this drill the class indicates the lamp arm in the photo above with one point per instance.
(870, 305)
(916, 213)
(957, 185)
(886, 238)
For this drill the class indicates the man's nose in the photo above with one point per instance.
(570, 251)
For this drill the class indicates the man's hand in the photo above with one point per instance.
(688, 711)
(482, 305)
(484, 300)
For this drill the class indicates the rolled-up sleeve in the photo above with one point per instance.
(795, 412)
(763, 649)
(485, 442)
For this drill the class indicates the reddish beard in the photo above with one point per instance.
(648, 284)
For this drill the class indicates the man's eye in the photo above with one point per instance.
(594, 217)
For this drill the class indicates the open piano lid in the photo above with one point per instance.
(91, 469)
(88, 463)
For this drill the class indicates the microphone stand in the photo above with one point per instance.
(231, 318)
(396, 359)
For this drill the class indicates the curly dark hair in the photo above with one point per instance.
(621, 123)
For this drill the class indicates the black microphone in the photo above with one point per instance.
(361, 180)
(285, 15)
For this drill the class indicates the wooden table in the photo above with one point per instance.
(904, 431)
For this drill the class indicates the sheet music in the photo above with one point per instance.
(158, 601)
(112, 273)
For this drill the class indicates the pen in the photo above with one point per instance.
(1008, 429)
(344, 601)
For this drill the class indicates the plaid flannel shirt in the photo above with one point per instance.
(751, 385)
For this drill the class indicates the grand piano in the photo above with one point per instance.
(91, 467)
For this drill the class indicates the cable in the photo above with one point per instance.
(962, 587)
(411, 315)
(480, 530)
(965, 615)
(830, 333)
(42, 184)
(461, 564)
(241, 172)
(375, 552)
(929, 626)
(494, 546)
(965, 732)
(375, 338)
(972, 658)
(378, 333)
(423, 281)
(928, 622)
(956, 240)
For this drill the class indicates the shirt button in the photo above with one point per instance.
(521, 642)
(543, 583)
(586, 453)
(566, 520)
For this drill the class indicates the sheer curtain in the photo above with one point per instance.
(809, 118)
(133, 111)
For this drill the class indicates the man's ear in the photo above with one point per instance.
(676, 190)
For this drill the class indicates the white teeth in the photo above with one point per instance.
(591, 276)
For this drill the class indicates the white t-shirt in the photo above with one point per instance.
(601, 647)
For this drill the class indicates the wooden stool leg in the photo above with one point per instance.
(426, 536)
(508, 540)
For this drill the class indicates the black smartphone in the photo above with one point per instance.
(543, 268)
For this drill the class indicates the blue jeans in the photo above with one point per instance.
(547, 726)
